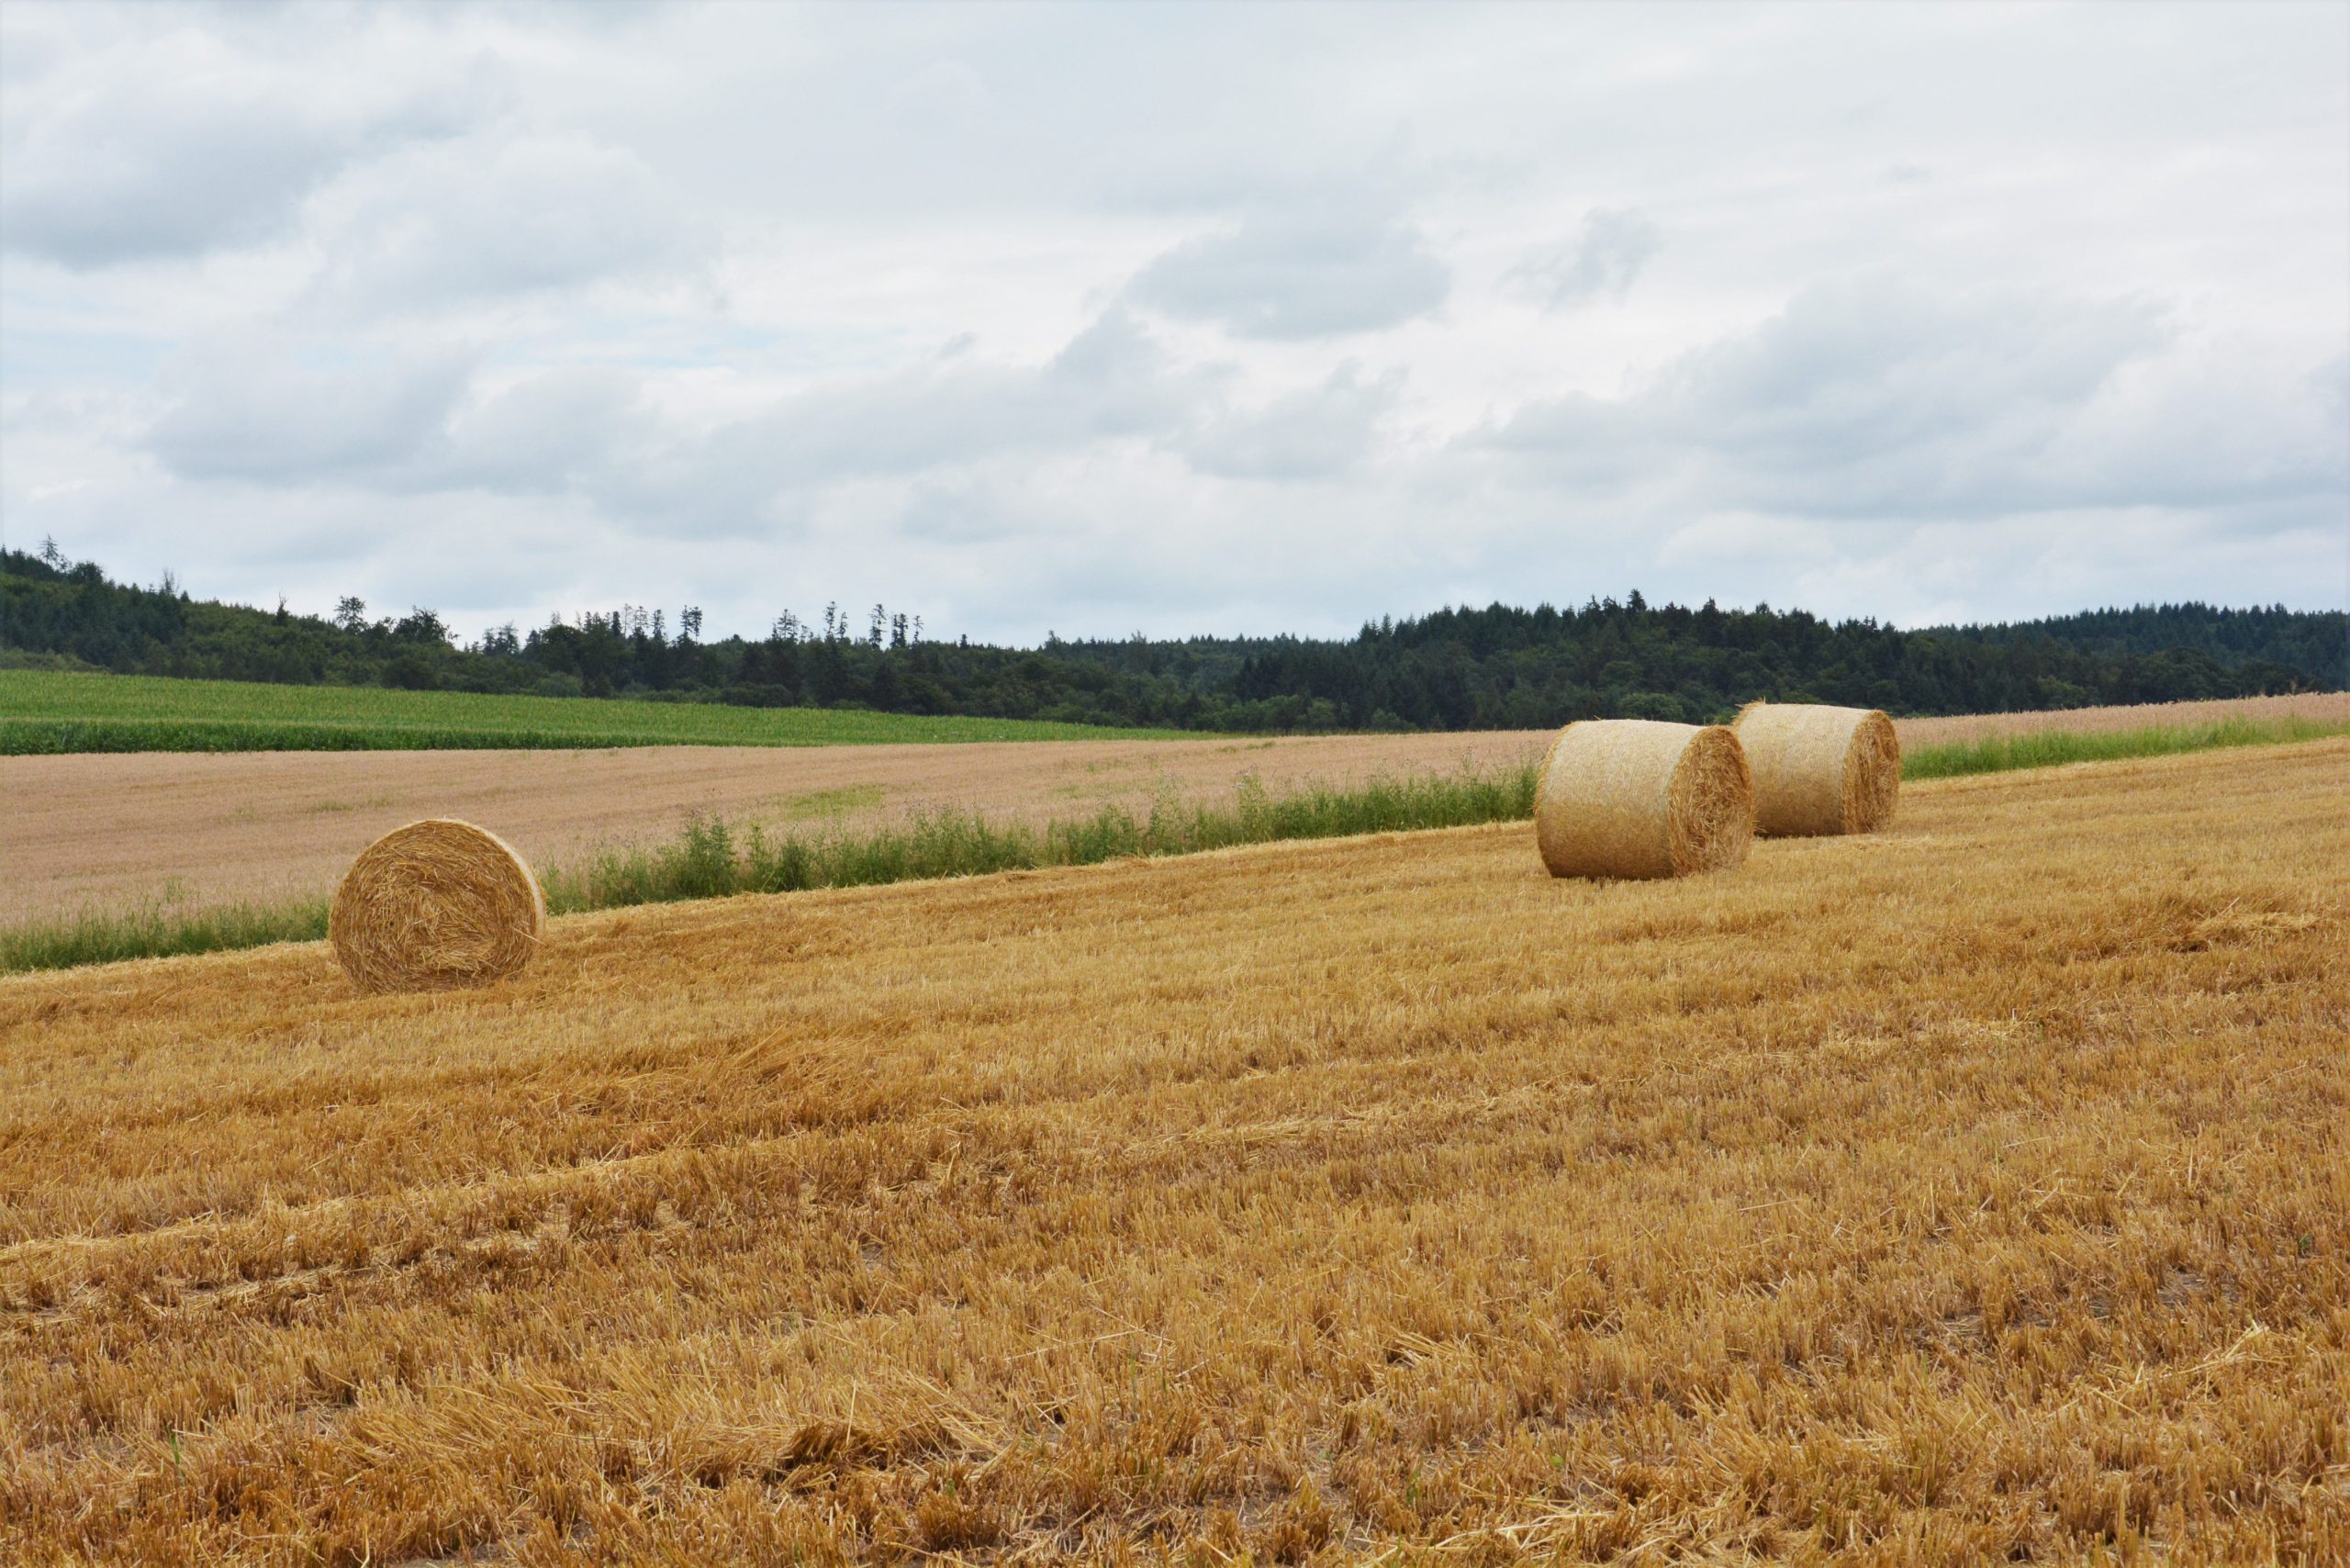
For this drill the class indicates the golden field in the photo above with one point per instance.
(107, 833)
(1974, 1192)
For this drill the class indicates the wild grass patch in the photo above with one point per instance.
(817, 804)
(2051, 749)
(711, 858)
(157, 931)
(714, 858)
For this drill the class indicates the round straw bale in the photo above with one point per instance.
(1639, 797)
(434, 906)
(1821, 769)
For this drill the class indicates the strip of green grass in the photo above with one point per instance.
(712, 859)
(47, 712)
(2051, 749)
(157, 931)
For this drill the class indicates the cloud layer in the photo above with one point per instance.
(1178, 319)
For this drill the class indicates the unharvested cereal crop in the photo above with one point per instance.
(52, 712)
(1972, 1191)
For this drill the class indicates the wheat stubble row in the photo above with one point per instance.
(1970, 1191)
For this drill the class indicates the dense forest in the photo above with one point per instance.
(1495, 667)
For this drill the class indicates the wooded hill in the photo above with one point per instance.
(1495, 667)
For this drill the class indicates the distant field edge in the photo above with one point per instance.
(49, 712)
(36, 737)
(2057, 748)
(710, 858)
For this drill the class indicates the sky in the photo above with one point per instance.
(1096, 319)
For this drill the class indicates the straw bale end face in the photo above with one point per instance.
(1821, 770)
(1640, 798)
(436, 905)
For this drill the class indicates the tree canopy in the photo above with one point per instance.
(1500, 667)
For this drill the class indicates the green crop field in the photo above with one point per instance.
(46, 712)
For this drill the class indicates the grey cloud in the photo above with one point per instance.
(417, 426)
(1320, 434)
(555, 433)
(1601, 261)
(1866, 398)
(944, 96)
(954, 513)
(243, 412)
(492, 213)
(413, 426)
(174, 147)
(758, 222)
(184, 185)
(1303, 274)
(1110, 381)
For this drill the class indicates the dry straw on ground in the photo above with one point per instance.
(436, 905)
(1368, 1199)
(1638, 797)
(1819, 769)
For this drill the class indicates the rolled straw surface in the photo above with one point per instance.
(1639, 797)
(1821, 769)
(434, 906)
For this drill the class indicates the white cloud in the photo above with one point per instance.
(246, 410)
(490, 214)
(1322, 432)
(171, 142)
(1606, 253)
(1865, 397)
(1312, 274)
(1268, 321)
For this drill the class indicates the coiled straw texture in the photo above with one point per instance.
(436, 905)
(1819, 769)
(1639, 797)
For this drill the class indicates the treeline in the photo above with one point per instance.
(1498, 668)
(2312, 644)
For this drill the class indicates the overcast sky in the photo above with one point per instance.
(1201, 318)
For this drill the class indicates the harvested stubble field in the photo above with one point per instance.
(2318, 707)
(100, 832)
(110, 832)
(1973, 1192)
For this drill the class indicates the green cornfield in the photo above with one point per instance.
(44, 711)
